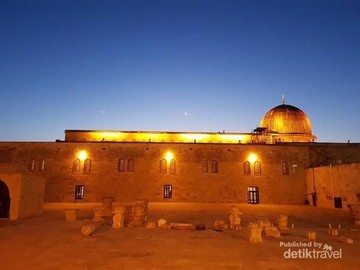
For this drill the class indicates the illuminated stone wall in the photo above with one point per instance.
(26, 194)
(51, 165)
(189, 183)
(328, 182)
(155, 136)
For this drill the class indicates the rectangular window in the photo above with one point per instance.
(79, 192)
(337, 202)
(167, 191)
(253, 195)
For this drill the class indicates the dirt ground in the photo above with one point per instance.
(50, 242)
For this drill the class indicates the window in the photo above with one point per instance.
(253, 195)
(257, 168)
(79, 192)
(32, 165)
(338, 202)
(285, 168)
(42, 165)
(76, 165)
(295, 169)
(247, 169)
(163, 166)
(130, 167)
(167, 191)
(172, 166)
(204, 166)
(87, 165)
(214, 166)
(121, 165)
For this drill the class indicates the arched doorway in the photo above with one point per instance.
(4, 200)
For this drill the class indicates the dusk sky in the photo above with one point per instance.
(177, 65)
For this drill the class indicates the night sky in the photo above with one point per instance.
(177, 65)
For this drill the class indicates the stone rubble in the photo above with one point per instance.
(311, 235)
(282, 222)
(235, 219)
(254, 233)
(136, 213)
(333, 232)
(118, 217)
(346, 240)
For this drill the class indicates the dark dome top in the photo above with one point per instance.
(286, 119)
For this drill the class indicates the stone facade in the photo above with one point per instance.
(198, 172)
(335, 186)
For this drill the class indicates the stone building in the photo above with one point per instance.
(277, 163)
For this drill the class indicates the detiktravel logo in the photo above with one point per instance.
(310, 250)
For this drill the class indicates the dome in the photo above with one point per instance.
(286, 119)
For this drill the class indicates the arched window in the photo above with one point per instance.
(285, 168)
(130, 167)
(76, 165)
(87, 165)
(163, 166)
(121, 165)
(247, 169)
(172, 166)
(32, 165)
(257, 168)
(295, 169)
(214, 166)
(42, 165)
(204, 166)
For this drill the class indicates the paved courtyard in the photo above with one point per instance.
(50, 242)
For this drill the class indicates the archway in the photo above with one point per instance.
(4, 200)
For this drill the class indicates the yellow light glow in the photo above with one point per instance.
(194, 136)
(82, 155)
(252, 157)
(231, 138)
(169, 155)
(148, 137)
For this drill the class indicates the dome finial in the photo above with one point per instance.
(283, 99)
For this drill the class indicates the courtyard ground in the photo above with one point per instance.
(50, 242)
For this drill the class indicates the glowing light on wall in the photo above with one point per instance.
(169, 155)
(82, 155)
(232, 138)
(194, 136)
(252, 157)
